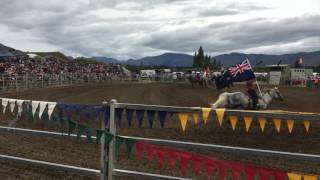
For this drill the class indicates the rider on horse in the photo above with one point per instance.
(252, 93)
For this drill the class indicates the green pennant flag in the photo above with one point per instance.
(130, 144)
(81, 128)
(62, 124)
(54, 119)
(45, 118)
(71, 127)
(108, 138)
(89, 133)
(98, 135)
(30, 115)
(119, 142)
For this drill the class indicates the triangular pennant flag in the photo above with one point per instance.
(197, 160)
(98, 135)
(279, 175)
(293, 176)
(119, 115)
(250, 172)
(42, 107)
(4, 104)
(129, 113)
(12, 103)
(139, 150)
(183, 119)
(151, 116)
(184, 162)
(306, 125)
(290, 124)
(211, 164)
(129, 144)
(236, 169)
(160, 155)
(205, 114)
(262, 123)
(51, 106)
(264, 173)
(223, 168)
(19, 104)
(81, 128)
(140, 115)
(162, 117)
(247, 122)
(150, 153)
(277, 123)
(119, 142)
(34, 105)
(195, 117)
(108, 138)
(173, 156)
(89, 132)
(233, 121)
(310, 177)
(71, 127)
(220, 114)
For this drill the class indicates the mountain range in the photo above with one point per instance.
(185, 60)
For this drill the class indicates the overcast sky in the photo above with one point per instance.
(136, 28)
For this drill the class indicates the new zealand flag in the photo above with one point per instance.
(238, 73)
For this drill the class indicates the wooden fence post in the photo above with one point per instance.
(112, 130)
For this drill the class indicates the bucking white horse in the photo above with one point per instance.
(240, 100)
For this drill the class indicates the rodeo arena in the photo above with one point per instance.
(67, 119)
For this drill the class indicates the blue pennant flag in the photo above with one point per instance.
(119, 115)
(61, 108)
(151, 116)
(106, 114)
(140, 115)
(162, 117)
(129, 113)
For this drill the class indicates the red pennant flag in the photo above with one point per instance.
(160, 154)
(173, 156)
(264, 173)
(185, 157)
(250, 172)
(211, 165)
(279, 175)
(236, 170)
(139, 150)
(223, 168)
(150, 153)
(197, 160)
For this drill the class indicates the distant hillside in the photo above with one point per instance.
(57, 55)
(107, 60)
(175, 60)
(8, 51)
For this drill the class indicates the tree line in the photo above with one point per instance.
(201, 61)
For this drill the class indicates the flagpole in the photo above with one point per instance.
(255, 78)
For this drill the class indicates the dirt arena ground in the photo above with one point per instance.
(68, 151)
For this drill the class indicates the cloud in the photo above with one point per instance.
(133, 29)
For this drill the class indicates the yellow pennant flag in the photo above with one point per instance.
(233, 120)
(290, 124)
(277, 123)
(247, 122)
(183, 120)
(262, 122)
(205, 114)
(195, 116)
(310, 177)
(306, 125)
(293, 176)
(220, 114)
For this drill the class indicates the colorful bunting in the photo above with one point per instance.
(150, 153)
(119, 142)
(223, 168)
(42, 107)
(140, 115)
(306, 125)
(129, 113)
(264, 173)
(99, 134)
(236, 170)
(51, 106)
(250, 172)
(247, 122)
(211, 165)
(205, 114)
(119, 115)
(162, 117)
(197, 160)
(161, 156)
(277, 123)
(139, 150)
(290, 124)
(19, 104)
(293, 176)
(309, 177)
(195, 117)
(185, 158)
(262, 123)
(71, 127)
(173, 156)
(34, 105)
(4, 104)
(233, 121)
(279, 175)
(129, 144)
(220, 114)
(12, 103)
(183, 120)
(151, 116)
